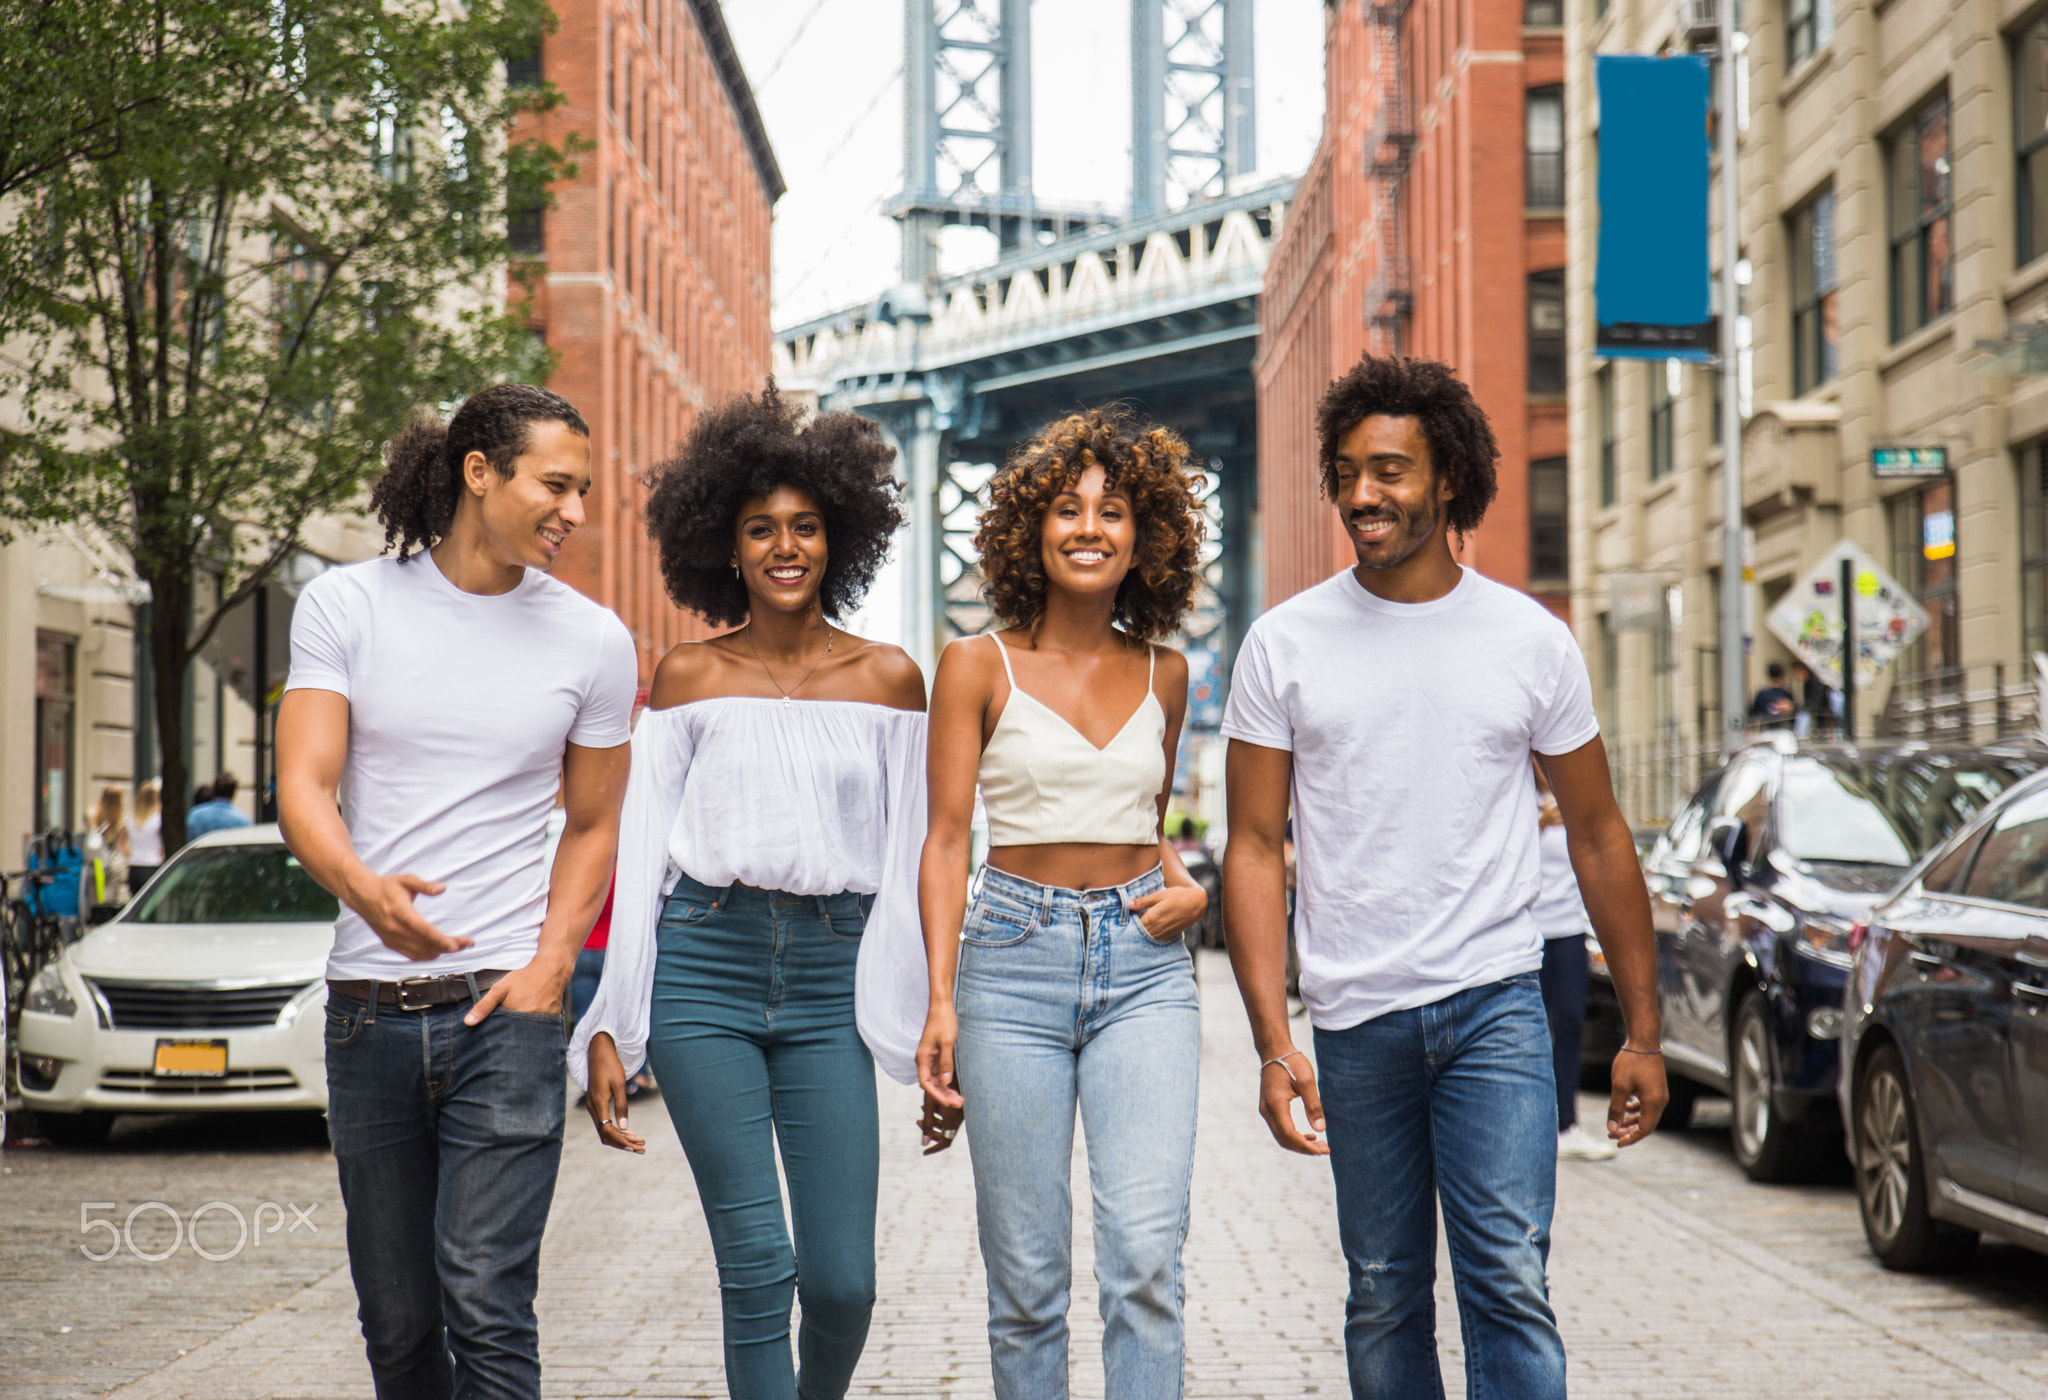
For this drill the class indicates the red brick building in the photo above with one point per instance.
(655, 286)
(1430, 223)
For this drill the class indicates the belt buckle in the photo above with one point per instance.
(405, 1003)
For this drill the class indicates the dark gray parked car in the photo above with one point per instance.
(1946, 1037)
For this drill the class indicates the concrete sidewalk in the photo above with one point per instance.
(1655, 1300)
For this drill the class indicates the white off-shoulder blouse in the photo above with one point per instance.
(814, 797)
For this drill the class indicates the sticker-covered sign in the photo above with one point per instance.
(1808, 618)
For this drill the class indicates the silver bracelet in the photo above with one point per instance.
(1281, 1060)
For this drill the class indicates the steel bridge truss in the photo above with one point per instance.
(1192, 128)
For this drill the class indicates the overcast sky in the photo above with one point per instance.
(828, 77)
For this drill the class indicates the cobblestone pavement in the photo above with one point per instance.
(1674, 1277)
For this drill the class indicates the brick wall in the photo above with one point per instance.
(654, 277)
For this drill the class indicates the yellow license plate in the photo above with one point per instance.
(202, 1058)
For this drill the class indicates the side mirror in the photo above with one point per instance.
(1729, 840)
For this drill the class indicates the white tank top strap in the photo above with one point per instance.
(1003, 652)
(1151, 666)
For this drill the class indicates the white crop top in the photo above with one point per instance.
(1043, 782)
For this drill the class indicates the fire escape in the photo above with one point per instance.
(1388, 145)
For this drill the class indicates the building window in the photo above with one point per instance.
(1663, 442)
(1924, 559)
(1610, 486)
(2034, 547)
(1546, 332)
(1545, 136)
(2030, 116)
(1543, 14)
(523, 72)
(526, 231)
(55, 742)
(1549, 525)
(1815, 328)
(1922, 272)
(1808, 25)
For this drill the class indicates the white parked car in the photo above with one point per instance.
(206, 993)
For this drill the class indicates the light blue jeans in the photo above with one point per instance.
(1064, 999)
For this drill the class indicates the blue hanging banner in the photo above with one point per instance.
(1651, 291)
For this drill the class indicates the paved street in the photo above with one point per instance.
(1673, 1275)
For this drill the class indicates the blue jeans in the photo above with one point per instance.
(1565, 970)
(1063, 1000)
(448, 1138)
(583, 982)
(1450, 1101)
(752, 1038)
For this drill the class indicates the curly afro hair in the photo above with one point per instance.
(744, 449)
(1148, 464)
(415, 498)
(1461, 445)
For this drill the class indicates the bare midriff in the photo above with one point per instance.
(1075, 865)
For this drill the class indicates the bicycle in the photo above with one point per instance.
(29, 937)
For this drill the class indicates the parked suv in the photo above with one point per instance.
(1754, 889)
(1947, 1040)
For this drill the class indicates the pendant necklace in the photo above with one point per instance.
(807, 675)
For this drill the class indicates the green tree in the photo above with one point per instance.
(282, 227)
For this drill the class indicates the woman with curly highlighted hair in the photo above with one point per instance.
(765, 952)
(1074, 989)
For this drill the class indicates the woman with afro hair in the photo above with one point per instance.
(1074, 989)
(765, 951)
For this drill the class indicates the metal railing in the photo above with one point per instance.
(1653, 776)
(1964, 704)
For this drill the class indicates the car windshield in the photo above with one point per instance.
(235, 885)
(1829, 815)
(1889, 808)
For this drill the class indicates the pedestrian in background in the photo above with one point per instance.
(1396, 706)
(442, 696)
(218, 812)
(1561, 919)
(145, 836)
(1075, 990)
(107, 849)
(778, 772)
(1773, 706)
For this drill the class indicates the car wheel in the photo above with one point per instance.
(1767, 1147)
(75, 1129)
(1891, 1183)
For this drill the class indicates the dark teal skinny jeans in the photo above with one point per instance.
(753, 1041)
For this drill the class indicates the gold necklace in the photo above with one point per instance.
(807, 675)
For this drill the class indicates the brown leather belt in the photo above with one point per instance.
(419, 993)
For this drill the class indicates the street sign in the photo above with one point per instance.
(1908, 461)
(1808, 618)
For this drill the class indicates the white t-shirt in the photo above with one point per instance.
(460, 706)
(1411, 726)
(1559, 911)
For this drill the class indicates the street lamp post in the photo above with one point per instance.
(1734, 671)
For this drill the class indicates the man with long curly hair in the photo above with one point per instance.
(1397, 706)
(437, 700)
